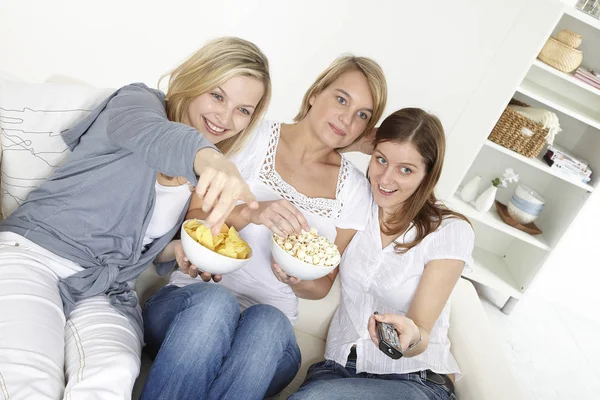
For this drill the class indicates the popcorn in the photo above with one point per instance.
(310, 248)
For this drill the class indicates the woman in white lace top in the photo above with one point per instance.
(404, 266)
(206, 346)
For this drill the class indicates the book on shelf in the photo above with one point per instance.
(567, 166)
(558, 154)
(568, 170)
(587, 76)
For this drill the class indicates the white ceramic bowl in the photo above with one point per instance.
(529, 195)
(298, 268)
(207, 260)
(519, 215)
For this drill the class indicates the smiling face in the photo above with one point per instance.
(226, 110)
(341, 111)
(396, 170)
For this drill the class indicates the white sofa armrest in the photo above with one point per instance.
(478, 351)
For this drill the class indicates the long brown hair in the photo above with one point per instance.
(421, 210)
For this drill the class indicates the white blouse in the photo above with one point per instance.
(382, 280)
(255, 283)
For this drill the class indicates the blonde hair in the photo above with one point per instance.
(211, 66)
(370, 69)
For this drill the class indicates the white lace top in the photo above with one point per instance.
(376, 279)
(255, 283)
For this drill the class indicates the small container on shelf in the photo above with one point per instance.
(569, 38)
(525, 205)
(518, 133)
(562, 53)
(591, 7)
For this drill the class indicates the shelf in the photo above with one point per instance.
(539, 164)
(559, 103)
(490, 270)
(583, 17)
(493, 220)
(567, 77)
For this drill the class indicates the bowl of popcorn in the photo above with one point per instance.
(307, 256)
(220, 254)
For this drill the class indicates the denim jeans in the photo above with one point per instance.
(328, 380)
(205, 348)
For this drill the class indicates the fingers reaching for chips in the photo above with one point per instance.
(228, 242)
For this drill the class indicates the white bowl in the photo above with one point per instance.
(519, 215)
(529, 195)
(298, 268)
(207, 260)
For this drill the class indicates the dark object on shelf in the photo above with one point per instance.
(530, 228)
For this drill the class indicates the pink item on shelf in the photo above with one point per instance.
(585, 79)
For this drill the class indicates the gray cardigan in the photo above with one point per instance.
(95, 208)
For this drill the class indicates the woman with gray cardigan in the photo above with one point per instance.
(70, 326)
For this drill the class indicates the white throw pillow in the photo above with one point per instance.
(32, 117)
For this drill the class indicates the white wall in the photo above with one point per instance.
(460, 59)
(434, 53)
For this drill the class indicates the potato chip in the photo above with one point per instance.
(233, 235)
(204, 237)
(244, 254)
(191, 232)
(217, 240)
(228, 252)
(193, 224)
(228, 242)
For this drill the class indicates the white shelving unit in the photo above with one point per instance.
(539, 164)
(557, 102)
(567, 77)
(507, 259)
(583, 17)
(490, 269)
(493, 220)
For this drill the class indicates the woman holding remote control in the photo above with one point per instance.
(403, 266)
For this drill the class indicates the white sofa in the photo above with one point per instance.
(474, 344)
(487, 374)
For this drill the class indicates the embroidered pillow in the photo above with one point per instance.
(32, 117)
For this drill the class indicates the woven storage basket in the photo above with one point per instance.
(512, 129)
(560, 56)
(569, 38)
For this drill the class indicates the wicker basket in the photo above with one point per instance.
(569, 38)
(519, 133)
(560, 56)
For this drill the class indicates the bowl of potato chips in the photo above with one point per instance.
(307, 256)
(220, 254)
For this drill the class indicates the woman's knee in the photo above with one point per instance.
(204, 299)
(271, 323)
(187, 307)
(213, 298)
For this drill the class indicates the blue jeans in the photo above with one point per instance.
(205, 349)
(328, 380)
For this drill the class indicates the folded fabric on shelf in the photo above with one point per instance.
(547, 118)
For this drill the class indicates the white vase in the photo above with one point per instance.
(469, 191)
(485, 201)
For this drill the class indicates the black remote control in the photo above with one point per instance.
(389, 342)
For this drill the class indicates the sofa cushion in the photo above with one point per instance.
(32, 117)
